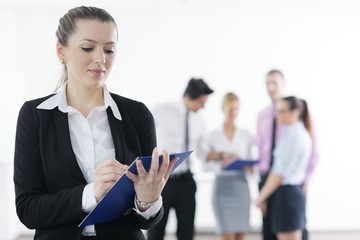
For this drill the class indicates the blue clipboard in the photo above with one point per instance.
(239, 164)
(120, 197)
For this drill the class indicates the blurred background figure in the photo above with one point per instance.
(284, 183)
(268, 132)
(181, 127)
(231, 195)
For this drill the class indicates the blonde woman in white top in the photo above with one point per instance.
(231, 196)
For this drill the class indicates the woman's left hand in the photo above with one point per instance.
(149, 185)
(262, 205)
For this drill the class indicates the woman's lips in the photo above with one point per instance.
(97, 72)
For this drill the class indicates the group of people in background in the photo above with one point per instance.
(73, 145)
(287, 148)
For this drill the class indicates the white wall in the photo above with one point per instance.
(231, 44)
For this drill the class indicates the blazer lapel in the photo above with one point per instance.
(117, 132)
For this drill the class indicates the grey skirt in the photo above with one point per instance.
(231, 203)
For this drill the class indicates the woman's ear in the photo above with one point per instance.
(60, 52)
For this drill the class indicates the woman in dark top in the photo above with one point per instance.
(73, 145)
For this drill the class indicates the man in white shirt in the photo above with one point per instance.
(180, 127)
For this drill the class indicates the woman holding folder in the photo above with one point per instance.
(287, 174)
(231, 196)
(73, 145)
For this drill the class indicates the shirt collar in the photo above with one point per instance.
(59, 100)
(183, 107)
(291, 127)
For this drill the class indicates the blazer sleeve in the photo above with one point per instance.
(37, 206)
(127, 227)
(149, 223)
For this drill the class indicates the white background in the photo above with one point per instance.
(231, 44)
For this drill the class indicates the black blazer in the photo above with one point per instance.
(49, 183)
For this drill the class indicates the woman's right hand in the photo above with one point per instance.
(105, 175)
(228, 158)
(249, 169)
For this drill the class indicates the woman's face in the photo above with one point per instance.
(231, 110)
(284, 115)
(90, 53)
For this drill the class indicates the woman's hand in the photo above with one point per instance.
(106, 174)
(305, 187)
(249, 169)
(149, 185)
(262, 205)
(227, 158)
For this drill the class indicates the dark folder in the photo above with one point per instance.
(239, 164)
(119, 199)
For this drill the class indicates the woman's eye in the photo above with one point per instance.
(87, 49)
(109, 51)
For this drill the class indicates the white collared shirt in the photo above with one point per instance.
(92, 143)
(240, 144)
(170, 130)
(292, 154)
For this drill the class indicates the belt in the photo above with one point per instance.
(88, 238)
(175, 176)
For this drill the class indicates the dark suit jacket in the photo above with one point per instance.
(48, 181)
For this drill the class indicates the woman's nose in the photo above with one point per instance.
(99, 57)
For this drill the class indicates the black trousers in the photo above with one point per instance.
(266, 223)
(179, 193)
